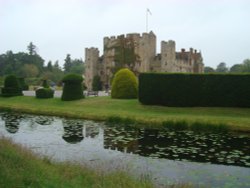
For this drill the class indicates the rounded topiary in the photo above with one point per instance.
(44, 93)
(73, 88)
(124, 85)
(11, 87)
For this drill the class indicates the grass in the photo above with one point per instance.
(21, 168)
(120, 110)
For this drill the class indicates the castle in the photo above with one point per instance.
(138, 53)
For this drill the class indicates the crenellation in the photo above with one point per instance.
(138, 53)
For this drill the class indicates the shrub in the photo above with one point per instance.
(124, 85)
(11, 87)
(23, 85)
(44, 93)
(73, 88)
(187, 90)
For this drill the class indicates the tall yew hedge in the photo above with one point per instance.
(73, 88)
(11, 87)
(187, 90)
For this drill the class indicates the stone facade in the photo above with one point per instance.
(138, 53)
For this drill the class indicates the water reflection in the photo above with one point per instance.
(12, 121)
(44, 120)
(73, 131)
(224, 148)
(91, 131)
(220, 148)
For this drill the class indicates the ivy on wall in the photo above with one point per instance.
(124, 53)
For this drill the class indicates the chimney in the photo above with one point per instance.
(182, 50)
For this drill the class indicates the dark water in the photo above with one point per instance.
(211, 159)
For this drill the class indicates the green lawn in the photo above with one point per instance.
(20, 168)
(102, 108)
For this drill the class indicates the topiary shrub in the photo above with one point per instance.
(73, 88)
(11, 87)
(44, 93)
(124, 85)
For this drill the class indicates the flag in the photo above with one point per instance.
(149, 11)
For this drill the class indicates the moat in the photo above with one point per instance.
(167, 157)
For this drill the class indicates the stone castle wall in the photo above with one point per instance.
(138, 53)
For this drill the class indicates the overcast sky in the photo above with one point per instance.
(219, 28)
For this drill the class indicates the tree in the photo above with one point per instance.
(31, 48)
(68, 64)
(208, 70)
(246, 65)
(49, 66)
(237, 68)
(77, 66)
(29, 71)
(56, 65)
(97, 84)
(222, 68)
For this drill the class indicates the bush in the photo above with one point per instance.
(186, 90)
(11, 87)
(124, 85)
(73, 88)
(44, 93)
(22, 83)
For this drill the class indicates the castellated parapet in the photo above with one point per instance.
(138, 53)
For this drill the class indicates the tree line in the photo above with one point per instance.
(222, 67)
(31, 66)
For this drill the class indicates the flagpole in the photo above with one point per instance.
(146, 20)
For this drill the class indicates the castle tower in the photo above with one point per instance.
(168, 56)
(147, 51)
(91, 69)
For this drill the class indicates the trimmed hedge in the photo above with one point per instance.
(187, 90)
(44, 93)
(11, 87)
(124, 85)
(73, 88)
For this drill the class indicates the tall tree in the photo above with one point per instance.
(222, 67)
(31, 49)
(49, 66)
(68, 64)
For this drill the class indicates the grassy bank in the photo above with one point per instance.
(20, 168)
(105, 108)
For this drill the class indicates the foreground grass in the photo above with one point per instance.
(20, 168)
(105, 108)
